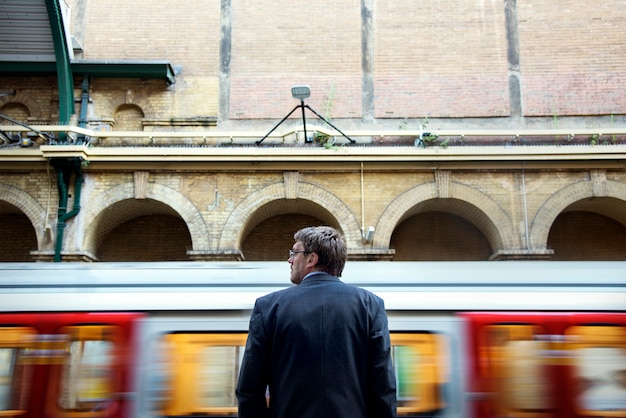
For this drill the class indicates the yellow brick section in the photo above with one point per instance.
(218, 214)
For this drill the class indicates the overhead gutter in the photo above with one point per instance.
(146, 69)
(27, 68)
(126, 69)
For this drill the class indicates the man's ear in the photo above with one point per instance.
(312, 260)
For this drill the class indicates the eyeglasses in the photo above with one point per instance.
(293, 253)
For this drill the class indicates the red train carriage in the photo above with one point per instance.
(547, 364)
(66, 364)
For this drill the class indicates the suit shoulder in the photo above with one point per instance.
(270, 297)
(366, 294)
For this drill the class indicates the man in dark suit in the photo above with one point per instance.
(320, 349)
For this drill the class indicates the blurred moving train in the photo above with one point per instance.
(470, 339)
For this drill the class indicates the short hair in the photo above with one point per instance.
(328, 244)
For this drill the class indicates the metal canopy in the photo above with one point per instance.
(34, 32)
(25, 32)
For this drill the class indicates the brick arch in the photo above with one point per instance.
(142, 103)
(122, 111)
(33, 210)
(9, 109)
(25, 99)
(557, 202)
(145, 104)
(163, 194)
(233, 228)
(110, 106)
(488, 216)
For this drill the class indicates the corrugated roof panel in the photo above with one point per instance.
(25, 33)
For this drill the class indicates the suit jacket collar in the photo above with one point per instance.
(319, 277)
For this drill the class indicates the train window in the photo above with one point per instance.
(204, 368)
(419, 364)
(203, 372)
(599, 353)
(88, 379)
(514, 362)
(15, 371)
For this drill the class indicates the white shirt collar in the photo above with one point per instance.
(312, 274)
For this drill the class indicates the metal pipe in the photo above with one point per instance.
(65, 168)
(84, 102)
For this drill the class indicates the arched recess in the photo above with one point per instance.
(24, 102)
(16, 111)
(463, 201)
(35, 212)
(169, 202)
(268, 234)
(261, 204)
(578, 196)
(128, 117)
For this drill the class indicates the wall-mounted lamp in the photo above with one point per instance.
(300, 92)
(368, 235)
(5, 93)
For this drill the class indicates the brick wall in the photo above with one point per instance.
(572, 57)
(442, 59)
(147, 238)
(18, 238)
(436, 236)
(460, 216)
(279, 44)
(273, 238)
(587, 236)
(183, 32)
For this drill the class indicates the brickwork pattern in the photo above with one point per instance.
(593, 236)
(154, 238)
(222, 211)
(434, 62)
(295, 43)
(180, 31)
(555, 204)
(438, 236)
(96, 229)
(37, 94)
(31, 197)
(12, 249)
(582, 72)
(444, 60)
(272, 238)
(491, 219)
(318, 197)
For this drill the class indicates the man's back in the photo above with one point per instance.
(325, 348)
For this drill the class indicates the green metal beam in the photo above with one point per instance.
(64, 71)
(126, 69)
(160, 70)
(27, 68)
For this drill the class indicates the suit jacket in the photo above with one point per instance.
(323, 349)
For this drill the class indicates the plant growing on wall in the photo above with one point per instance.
(428, 138)
(322, 138)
